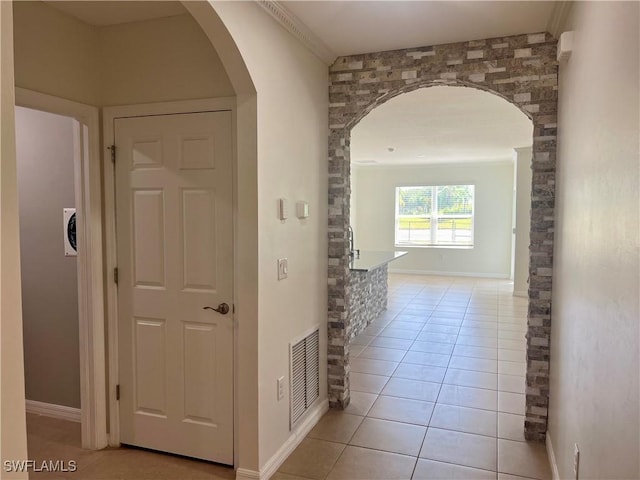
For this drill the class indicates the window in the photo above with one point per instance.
(435, 215)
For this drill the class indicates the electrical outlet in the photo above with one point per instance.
(280, 388)
(576, 460)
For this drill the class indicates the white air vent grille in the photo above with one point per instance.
(305, 375)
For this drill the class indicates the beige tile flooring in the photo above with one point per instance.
(437, 391)
(54, 439)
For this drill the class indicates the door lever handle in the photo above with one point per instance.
(223, 308)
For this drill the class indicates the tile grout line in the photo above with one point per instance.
(424, 324)
(435, 404)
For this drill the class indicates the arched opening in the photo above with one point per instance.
(434, 174)
(441, 134)
(361, 83)
(120, 53)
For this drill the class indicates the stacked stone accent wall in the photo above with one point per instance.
(521, 69)
(368, 298)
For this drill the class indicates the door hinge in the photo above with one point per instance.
(115, 275)
(117, 392)
(113, 153)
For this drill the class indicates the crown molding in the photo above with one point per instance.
(558, 20)
(526, 149)
(565, 46)
(298, 29)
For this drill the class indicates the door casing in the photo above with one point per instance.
(90, 266)
(109, 115)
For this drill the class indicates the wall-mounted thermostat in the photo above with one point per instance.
(70, 238)
(302, 209)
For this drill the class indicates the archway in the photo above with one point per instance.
(444, 135)
(245, 118)
(521, 69)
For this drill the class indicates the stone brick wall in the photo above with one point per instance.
(521, 69)
(368, 298)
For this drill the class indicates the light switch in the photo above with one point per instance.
(283, 268)
(302, 209)
(283, 212)
(280, 388)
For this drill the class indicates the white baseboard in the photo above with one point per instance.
(278, 458)
(552, 458)
(450, 274)
(244, 474)
(52, 410)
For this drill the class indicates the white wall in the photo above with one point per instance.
(45, 156)
(13, 431)
(522, 175)
(292, 96)
(55, 53)
(491, 254)
(159, 60)
(594, 390)
(140, 62)
(353, 209)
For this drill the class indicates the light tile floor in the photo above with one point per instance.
(50, 439)
(437, 391)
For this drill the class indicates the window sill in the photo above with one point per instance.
(447, 247)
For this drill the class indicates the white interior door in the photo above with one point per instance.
(174, 240)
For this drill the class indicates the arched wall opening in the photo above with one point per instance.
(62, 57)
(521, 69)
(443, 135)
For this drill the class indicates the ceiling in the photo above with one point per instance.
(440, 124)
(433, 125)
(105, 13)
(352, 27)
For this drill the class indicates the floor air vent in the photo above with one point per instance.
(305, 375)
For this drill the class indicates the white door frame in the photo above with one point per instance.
(90, 279)
(109, 116)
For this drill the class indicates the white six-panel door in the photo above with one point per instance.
(174, 242)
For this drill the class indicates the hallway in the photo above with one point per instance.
(437, 391)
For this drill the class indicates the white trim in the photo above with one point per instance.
(298, 29)
(90, 280)
(109, 116)
(312, 417)
(504, 276)
(167, 108)
(450, 163)
(52, 410)
(565, 46)
(522, 150)
(559, 15)
(244, 474)
(521, 293)
(552, 458)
